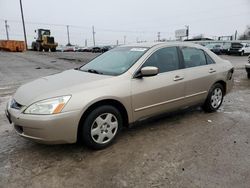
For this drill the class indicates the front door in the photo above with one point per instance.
(160, 93)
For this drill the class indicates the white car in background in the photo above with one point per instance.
(239, 48)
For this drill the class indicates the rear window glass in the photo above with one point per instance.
(209, 59)
(193, 57)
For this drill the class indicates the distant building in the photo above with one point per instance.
(198, 39)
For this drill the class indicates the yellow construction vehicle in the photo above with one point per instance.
(44, 41)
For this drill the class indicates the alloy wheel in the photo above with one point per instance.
(216, 97)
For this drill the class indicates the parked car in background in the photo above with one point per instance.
(225, 47)
(216, 48)
(96, 49)
(82, 49)
(70, 48)
(127, 84)
(248, 67)
(106, 48)
(59, 48)
(87, 49)
(239, 48)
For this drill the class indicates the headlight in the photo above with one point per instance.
(49, 106)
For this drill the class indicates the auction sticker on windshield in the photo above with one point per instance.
(138, 49)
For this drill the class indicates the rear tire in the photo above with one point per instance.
(242, 53)
(101, 127)
(248, 75)
(214, 98)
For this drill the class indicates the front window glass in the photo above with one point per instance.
(166, 59)
(115, 62)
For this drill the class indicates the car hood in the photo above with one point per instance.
(64, 83)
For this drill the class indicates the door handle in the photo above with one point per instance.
(177, 78)
(211, 70)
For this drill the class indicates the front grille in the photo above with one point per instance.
(15, 105)
(234, 50)
(50, 40)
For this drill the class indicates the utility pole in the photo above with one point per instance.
(125, 39)
(86, 42)
(6, 28)
(187, 26)
(24, 30)
(68, 36)
(117, 42)
(159, 36)
(93, 32)
(235, 35)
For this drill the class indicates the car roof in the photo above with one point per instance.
(153, 44)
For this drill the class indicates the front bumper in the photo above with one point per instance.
(49, 129)
(234, 51)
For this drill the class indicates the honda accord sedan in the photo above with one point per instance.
(124, 85)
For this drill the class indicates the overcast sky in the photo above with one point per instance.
(114, 19)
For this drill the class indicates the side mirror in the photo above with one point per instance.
(35, 31)
(147, 72)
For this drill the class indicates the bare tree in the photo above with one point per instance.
(246, 34)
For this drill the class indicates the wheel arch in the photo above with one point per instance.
(224, 84)
(115, 103)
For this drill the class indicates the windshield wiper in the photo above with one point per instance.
(93, 71)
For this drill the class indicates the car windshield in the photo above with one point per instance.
(114, 62)
(209, 46)
(237, 45)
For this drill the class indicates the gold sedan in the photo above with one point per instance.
(123, 85)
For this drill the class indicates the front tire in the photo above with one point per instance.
(39, 48)
(214, 98)
(101, 127)
(53, 49)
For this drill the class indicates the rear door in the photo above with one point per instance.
(163, 92)
(200, 74)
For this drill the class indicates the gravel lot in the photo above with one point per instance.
(185, 149)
